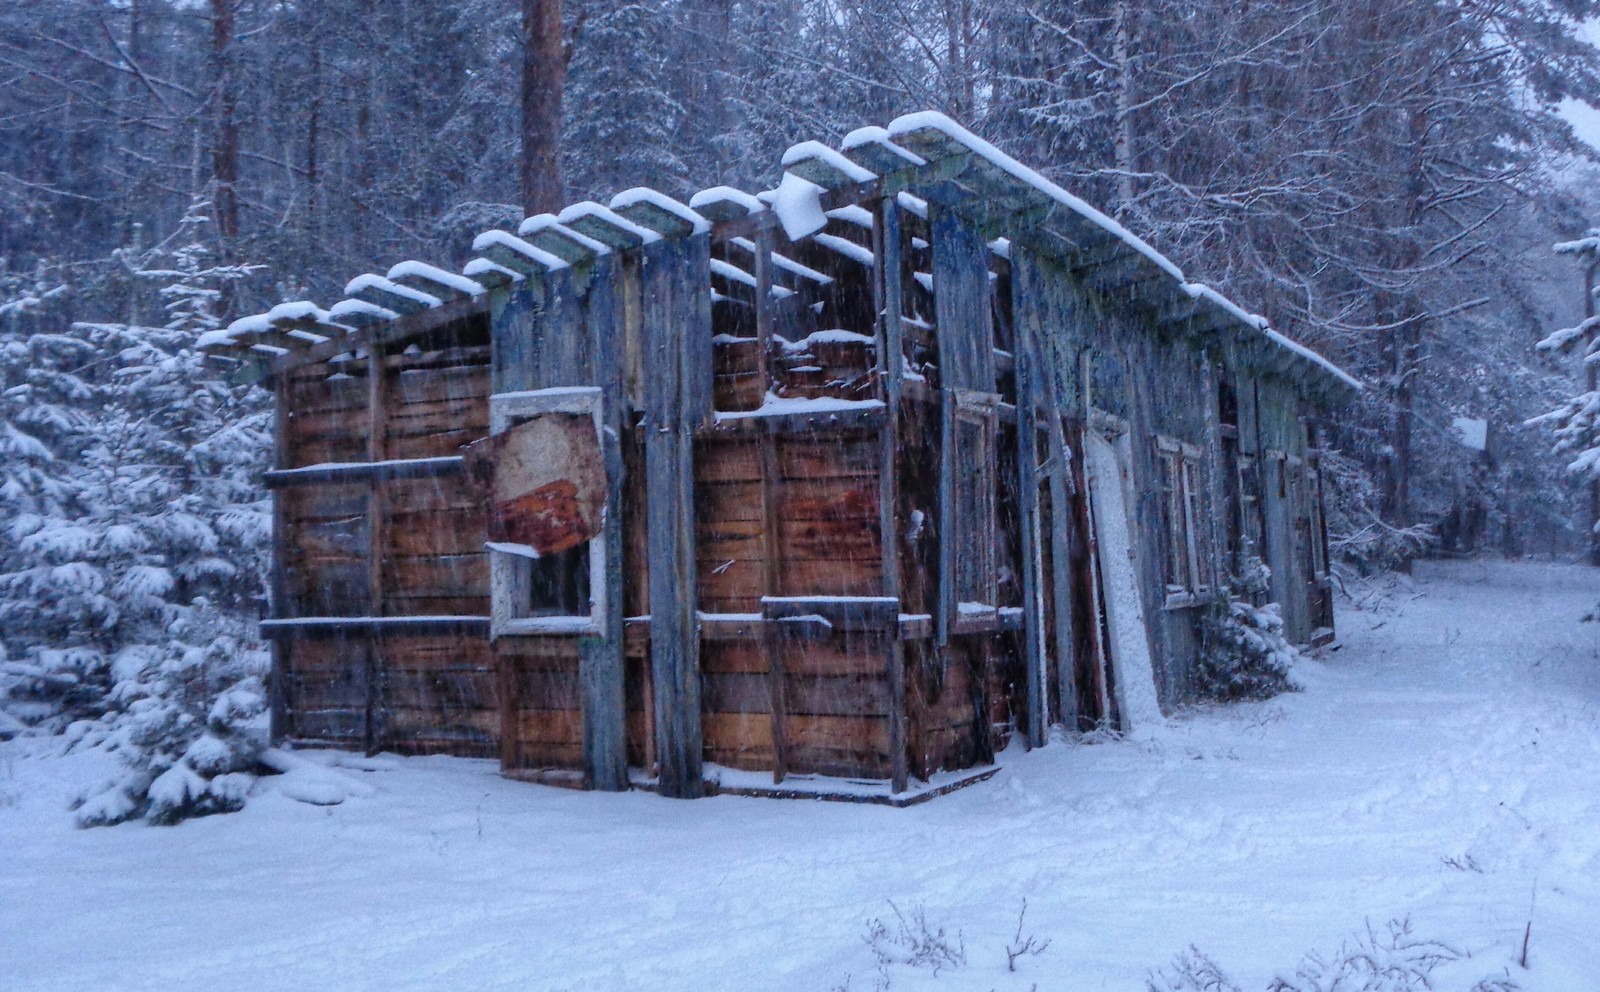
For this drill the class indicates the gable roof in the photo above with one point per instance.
(915, 151)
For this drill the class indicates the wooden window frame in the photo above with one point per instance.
(1182, 485)
(973, 408)
(507, 410)
(1249, 481)
(1314, 511)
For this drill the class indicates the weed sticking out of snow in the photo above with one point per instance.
(912, 942)
(1394, 959)
(1024, 945)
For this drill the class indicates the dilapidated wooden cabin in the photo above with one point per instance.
(858, 478)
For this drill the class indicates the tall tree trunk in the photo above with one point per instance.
(313, 139)
(225, 138)
(544, 75)
(1123, 141)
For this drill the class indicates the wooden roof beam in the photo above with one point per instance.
(659, 212)
(380, 335)
(432, 281)
(817, 163)
(511, 252)
(606, 226)
(872, 149)
(574, 247)
(383, 292)
(720, 204)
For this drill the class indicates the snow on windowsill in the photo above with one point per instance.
(779, 406)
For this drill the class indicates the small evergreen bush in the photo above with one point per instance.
(1244, 654)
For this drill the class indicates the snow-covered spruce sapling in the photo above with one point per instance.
(188, 724)
(1244, 653)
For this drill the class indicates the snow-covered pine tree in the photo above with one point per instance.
(621, 125)
(40, 414)
(1576, 421)
(136, 563)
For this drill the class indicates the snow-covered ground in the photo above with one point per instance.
(1442, 766)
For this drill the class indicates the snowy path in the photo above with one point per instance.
(1460, 722)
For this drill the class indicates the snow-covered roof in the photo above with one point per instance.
(802, 204)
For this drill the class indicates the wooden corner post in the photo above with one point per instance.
(891, 363)
(676, 311)
(600, 658)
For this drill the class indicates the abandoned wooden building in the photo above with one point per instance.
(854, 479)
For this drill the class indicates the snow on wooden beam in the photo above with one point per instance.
(334, 473)
(929, 143)
(383, 292)
(433, 281)
(403, 328)
(815, 162)
(871, 148)
(844, 613)
(360, 313)
(544, 231)
(724, 203)
(853, 214)
(607, 226)
(491, 275)
(511, 252)
(785, 263)
(659, 212)
(846, 248)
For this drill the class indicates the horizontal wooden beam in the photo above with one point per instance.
(336, 473)
(867, 418)
(856, 193)
(844, 613)
(298, 628)
(379, 335)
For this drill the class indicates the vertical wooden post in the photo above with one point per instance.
(891, 368)
(1061, 551)
(677, 329)
(772, 647)
(1047, 330)
(278, 590)
(600, 659)
(966, 361)
(377, 538)
(1032, 404)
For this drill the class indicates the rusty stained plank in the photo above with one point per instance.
(546, 481)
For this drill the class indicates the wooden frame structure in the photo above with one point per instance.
(816, 507)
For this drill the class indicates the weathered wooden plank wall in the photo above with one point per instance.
(388, 548)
